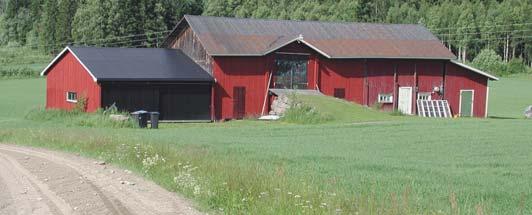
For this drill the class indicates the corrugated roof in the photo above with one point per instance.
(137, 64)
(223, 36)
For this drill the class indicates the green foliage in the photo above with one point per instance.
(466, 27)
(516, 65)
(488, 60)
(21, 62)
(301, 113)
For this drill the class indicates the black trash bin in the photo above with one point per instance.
(154, 120)
(141, 117)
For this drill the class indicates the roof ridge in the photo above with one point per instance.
(309, 21)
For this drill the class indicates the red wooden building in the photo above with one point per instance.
(390, 64)
(225, 68)
(131, 79)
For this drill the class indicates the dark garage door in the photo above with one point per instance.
(173, 101)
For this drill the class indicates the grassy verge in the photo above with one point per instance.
(456, 166)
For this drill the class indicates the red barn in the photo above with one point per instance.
(390, 64)
(228, 68)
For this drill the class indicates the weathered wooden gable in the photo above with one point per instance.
(189, 43)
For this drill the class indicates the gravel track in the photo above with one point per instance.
(38, 181)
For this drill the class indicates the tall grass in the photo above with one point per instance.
(100, 119)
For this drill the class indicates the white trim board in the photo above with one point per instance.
(475, 70)
(54, 61)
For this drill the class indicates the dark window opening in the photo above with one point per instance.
(291, 72)
(339, 93)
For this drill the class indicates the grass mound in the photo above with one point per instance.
(78, 118)
(307, 109)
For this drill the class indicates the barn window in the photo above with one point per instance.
(339, 93)
(72, 97)
(424, 96)
(385, 98)
(291, 72)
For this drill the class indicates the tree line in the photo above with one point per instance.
(466, 27)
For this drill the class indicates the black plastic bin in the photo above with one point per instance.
(154, 120)
(141, 117)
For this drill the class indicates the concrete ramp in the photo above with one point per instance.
(282, 92)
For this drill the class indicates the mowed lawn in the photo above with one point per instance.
(399, 166)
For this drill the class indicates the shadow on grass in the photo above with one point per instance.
(503, 117)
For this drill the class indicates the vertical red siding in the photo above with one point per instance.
(380, 80)
(347, 74)
(69, 75)
(430, 75)
(458, 78)
(249, 72)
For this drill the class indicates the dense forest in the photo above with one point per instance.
(490, 29)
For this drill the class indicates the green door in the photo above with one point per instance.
(466, 103)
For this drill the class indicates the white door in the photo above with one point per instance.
(405, 100)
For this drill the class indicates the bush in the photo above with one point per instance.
(302, 113)
(488, 60)
(515, 66)
(18, 73)
(78, 118)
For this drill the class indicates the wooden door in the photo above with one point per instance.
(405, 100)
(466, 103)
(239, 102)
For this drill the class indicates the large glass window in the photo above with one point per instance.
(291, 72)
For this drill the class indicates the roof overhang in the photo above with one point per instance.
(478, 71)
(56, 59)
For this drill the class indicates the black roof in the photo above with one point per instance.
(138, 64)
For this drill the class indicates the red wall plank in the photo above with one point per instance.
(69, 75)
(458, 78)
(347, 74)
(249, 72)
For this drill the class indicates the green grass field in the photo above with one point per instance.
(400, 165)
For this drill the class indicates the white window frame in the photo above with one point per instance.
(68, 99)
(388, 96)
(427, 94)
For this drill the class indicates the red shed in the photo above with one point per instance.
(162, 80)
(391, 64)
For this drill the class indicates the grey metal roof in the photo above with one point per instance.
(137, 64)
(223, 36)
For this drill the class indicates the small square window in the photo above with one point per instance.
(339, 93)
(424, 96)
(385, 98)
(72, 97)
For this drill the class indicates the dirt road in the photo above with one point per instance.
(38, 181)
